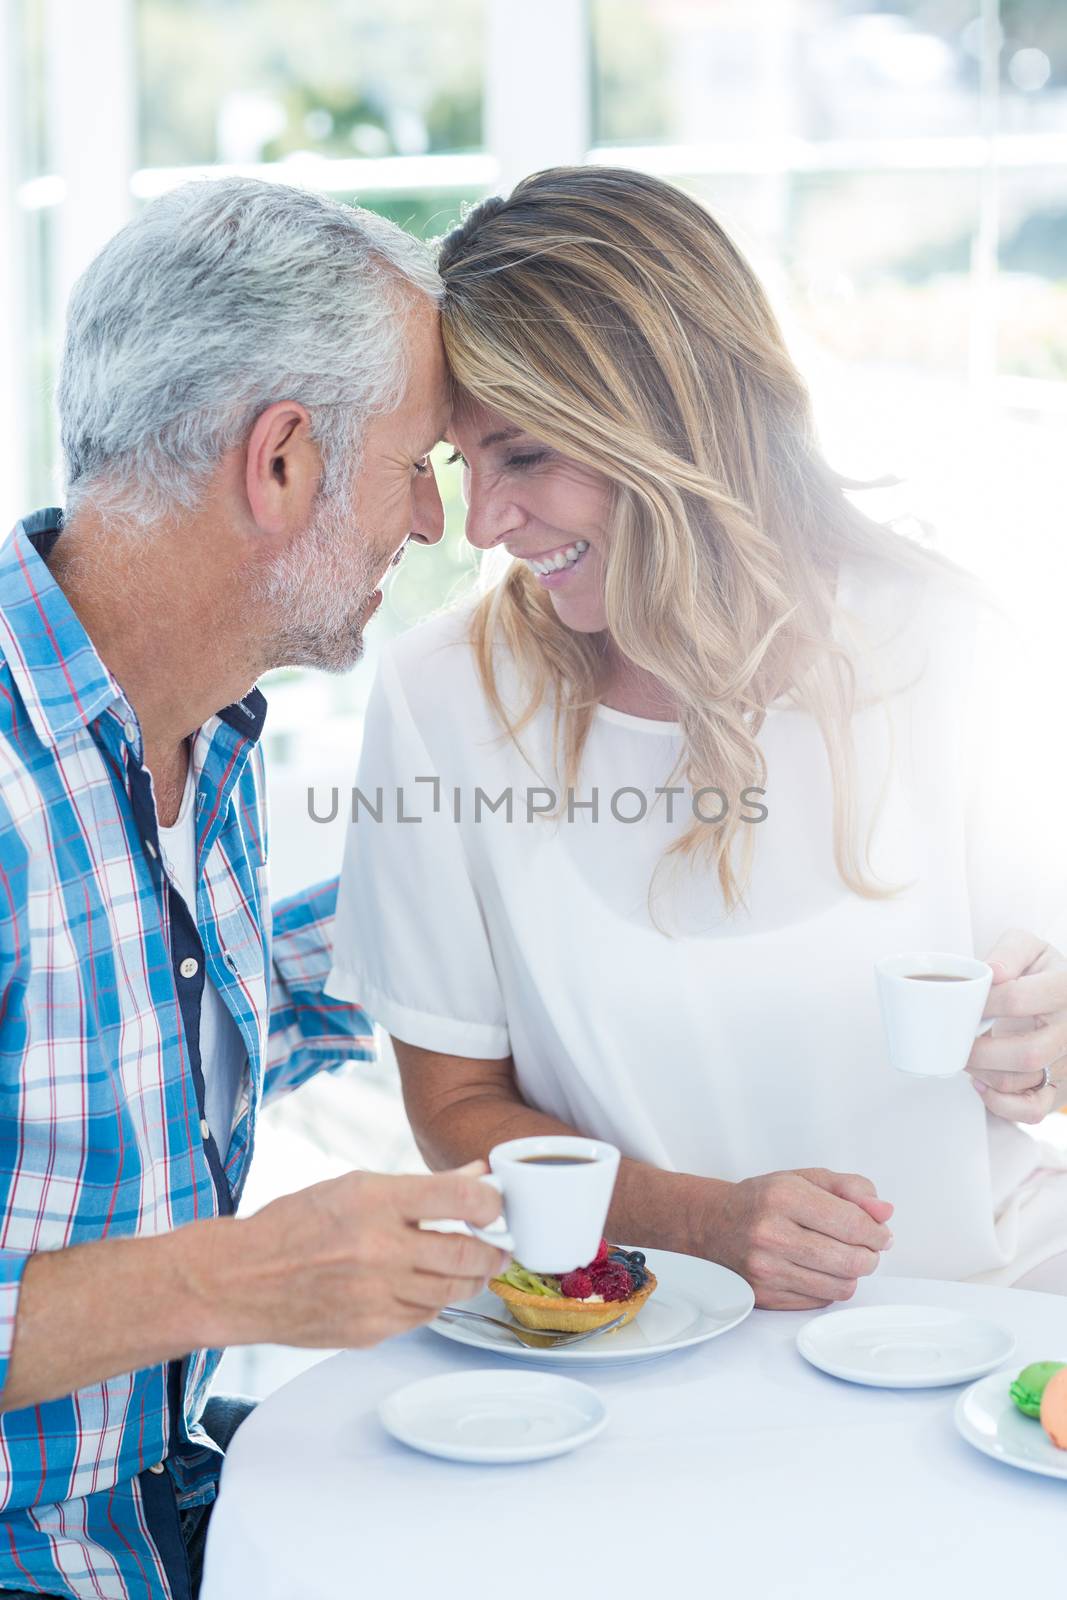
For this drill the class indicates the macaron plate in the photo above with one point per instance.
(903, 1347)
(494, 1417)
(989, 1419)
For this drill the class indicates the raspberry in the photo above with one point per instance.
(612, 1283)
(601, 1255)
(576, 1285)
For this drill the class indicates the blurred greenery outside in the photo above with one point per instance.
(352, 79)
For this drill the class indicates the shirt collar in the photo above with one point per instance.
(63, 683)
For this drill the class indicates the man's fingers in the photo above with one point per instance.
(1013, 953)
(456, 1255)
(451, 1196)
(428, 1292)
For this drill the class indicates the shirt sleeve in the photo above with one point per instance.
(14, 953)
(411, 941)
(309, 1031)
(1017, 771)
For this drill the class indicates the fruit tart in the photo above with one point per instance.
(615, 1281)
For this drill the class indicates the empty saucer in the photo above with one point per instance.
(494, 1416)
(904, 1347)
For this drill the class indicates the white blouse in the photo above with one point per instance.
(715, 1044)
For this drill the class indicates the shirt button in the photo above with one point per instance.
(157, 1468)
(130, 732)
(189, 967)
(205, 1131)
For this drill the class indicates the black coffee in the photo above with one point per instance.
(558, 1161)
(935, 977)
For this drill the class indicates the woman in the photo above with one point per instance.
(741, 742)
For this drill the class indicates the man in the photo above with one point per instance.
(252, 380)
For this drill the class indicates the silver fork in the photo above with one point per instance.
(527, 1336)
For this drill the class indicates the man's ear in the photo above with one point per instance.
(282, 468)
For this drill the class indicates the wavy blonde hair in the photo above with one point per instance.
(608, 314)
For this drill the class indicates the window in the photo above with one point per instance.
(898, 173)
(350, 80)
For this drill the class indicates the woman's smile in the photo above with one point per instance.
(554, 567)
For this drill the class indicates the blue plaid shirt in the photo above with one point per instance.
(102, 1112)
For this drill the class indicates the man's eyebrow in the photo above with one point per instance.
(500, 437)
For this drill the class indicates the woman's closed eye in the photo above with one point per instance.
(516, 463)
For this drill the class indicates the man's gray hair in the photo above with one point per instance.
(222, 297)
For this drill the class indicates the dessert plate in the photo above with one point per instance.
(988, 1418)
(494, 1417)
(903, 1347)
(695, 1300)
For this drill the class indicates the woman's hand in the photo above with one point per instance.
(802, 1239)
(1020, 1069)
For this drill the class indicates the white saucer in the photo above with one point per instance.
(695, 1300)
(988, 1418)
(494, 1416)
(903, 1347)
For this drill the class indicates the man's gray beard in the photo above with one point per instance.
(318, 595)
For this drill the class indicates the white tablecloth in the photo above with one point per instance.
(731, 1470)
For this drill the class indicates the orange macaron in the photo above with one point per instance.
(1054, 1409)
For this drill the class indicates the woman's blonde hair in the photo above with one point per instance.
(608, 314)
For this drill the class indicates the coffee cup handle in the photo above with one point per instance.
(497, 1232)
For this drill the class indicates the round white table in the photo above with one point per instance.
(732, 1470)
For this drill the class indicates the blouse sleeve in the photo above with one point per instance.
(411, 943)
(1017, 771)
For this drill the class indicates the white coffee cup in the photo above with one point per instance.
(931, 1026)
(554, 1209)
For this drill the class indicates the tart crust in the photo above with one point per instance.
(558, 1314)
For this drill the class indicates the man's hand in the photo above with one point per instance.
(802, 1239)
(1008, 1066)
(342, 1263)
(345, 1263)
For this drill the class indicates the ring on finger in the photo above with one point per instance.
(1047, 1082)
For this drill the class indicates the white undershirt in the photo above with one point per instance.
(738, 1044)
(222, 1051)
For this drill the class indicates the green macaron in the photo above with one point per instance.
(1029, 1386)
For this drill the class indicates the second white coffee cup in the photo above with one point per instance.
(932, 1006)
(556, 1191)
